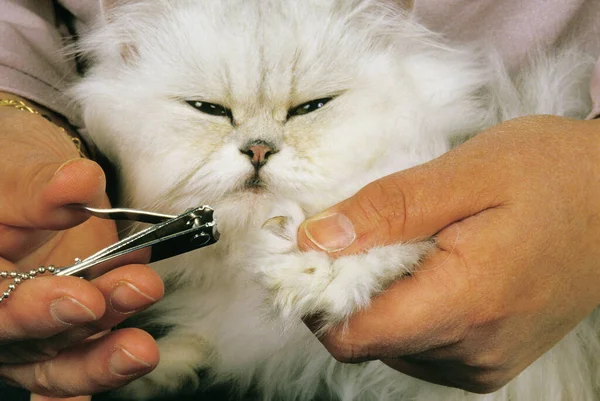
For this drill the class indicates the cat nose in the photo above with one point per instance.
(259, 152)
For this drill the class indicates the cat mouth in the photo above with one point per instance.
(255, 184)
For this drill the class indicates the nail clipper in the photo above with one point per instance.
(168, 236)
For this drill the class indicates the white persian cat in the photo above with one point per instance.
(267, 108)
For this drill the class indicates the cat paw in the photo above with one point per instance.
(181, 356)
(302, 284)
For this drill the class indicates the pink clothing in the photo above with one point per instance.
(516, 26)
(32, 33)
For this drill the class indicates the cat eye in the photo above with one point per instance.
(210, 108)
(308, 107)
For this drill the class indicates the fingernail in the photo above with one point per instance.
(67, 310)
(62, 166)
(330, 232)
(127, 298)
(123, 363)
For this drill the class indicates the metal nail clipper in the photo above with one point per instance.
(168, 236)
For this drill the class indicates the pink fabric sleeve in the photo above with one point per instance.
(31, 62)
(515, 27)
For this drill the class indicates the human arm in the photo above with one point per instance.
(515, 215)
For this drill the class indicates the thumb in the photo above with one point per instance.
(37, 397)
(414, 203)
(40, 174)
(36, 194)
(77, 181)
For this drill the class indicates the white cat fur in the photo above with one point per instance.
(402, 96)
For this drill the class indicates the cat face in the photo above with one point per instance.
(205, 102)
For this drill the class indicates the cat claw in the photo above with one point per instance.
(279, 226)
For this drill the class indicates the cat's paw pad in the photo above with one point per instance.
(295, 282)
(302, 284)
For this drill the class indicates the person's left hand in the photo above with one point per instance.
(516, 215)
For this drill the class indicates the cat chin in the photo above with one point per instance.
(252, 197)
(246, 208)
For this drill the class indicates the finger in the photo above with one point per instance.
(126, 290)
(449, 373)
(40, 191)
(18, 242)
(42, 171)
(37, 397)
(430, 301)
(426, 372)
(438, 304)
(106, 363)
(47, 305)
(452, 372)
(409, 204)
(24, 215)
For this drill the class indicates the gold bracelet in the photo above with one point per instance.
(19, 105)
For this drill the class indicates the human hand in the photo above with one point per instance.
(47, 322)
(515, 212)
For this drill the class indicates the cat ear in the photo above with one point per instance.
(128, 50)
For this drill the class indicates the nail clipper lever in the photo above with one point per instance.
(170, 237)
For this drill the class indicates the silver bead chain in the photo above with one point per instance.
(18, 278)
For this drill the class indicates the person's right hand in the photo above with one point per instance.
(45, 324)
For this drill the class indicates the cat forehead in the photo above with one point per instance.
(263, 24)
(250, 46)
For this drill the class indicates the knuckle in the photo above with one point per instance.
(488, 383)
(46, 381)
(384, 206)
(343, 354)
(492, 360)
(347, 351)
(483, 381)
(42, 382)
